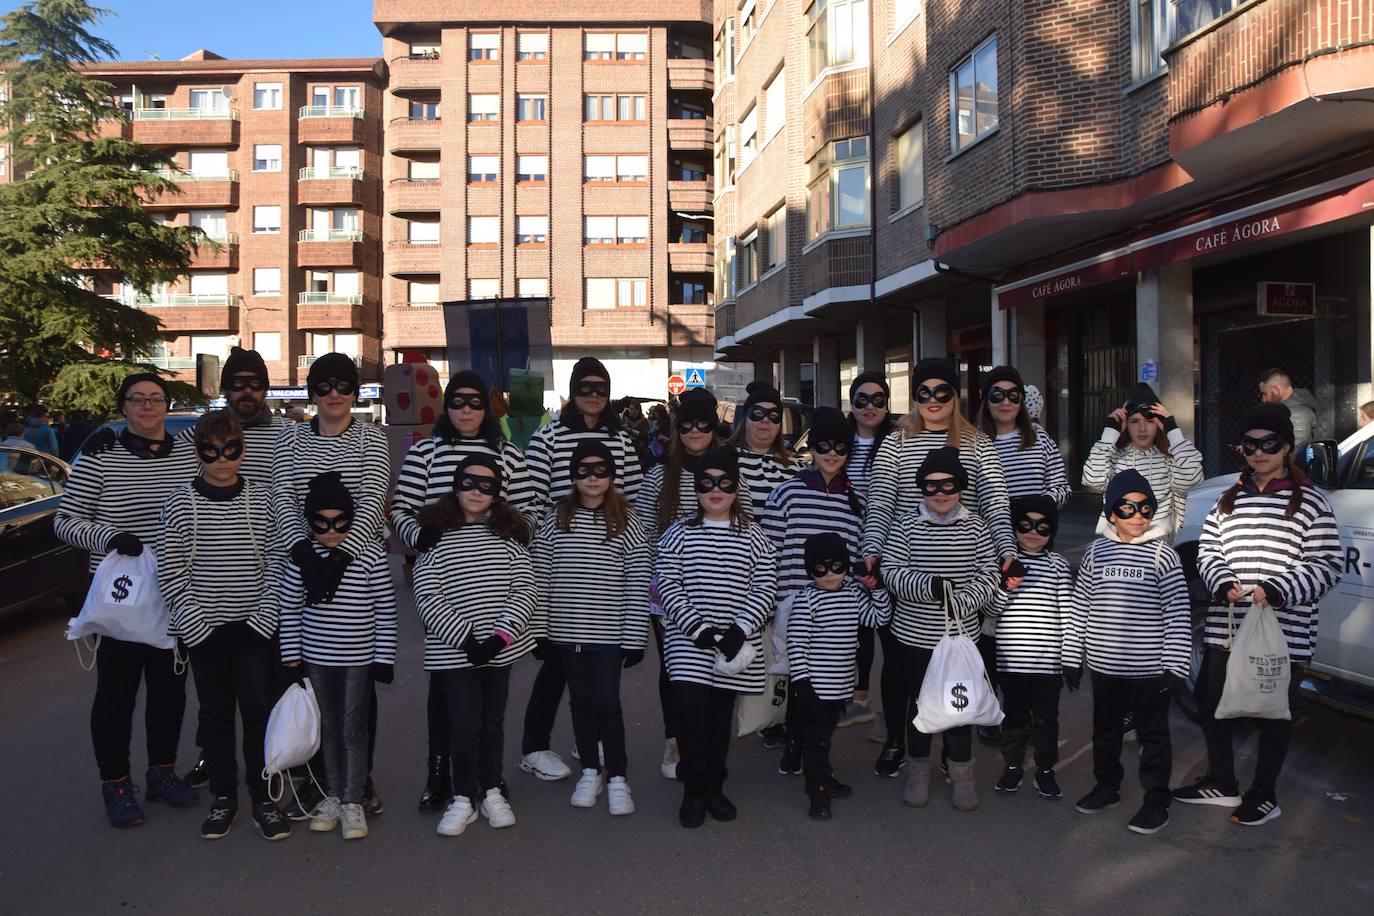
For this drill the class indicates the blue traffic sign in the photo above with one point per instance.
(694, 377)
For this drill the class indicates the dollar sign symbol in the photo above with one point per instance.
(121, 588)
(959, 697)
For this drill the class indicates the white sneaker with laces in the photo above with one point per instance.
(670, 758)
(589, 786)
(326, 815)
(545, 765)
(497, 810)
(457, 816)
(354, 822)
(618, 796)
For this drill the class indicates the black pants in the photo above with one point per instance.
(665, 689)
(1148, 700)
(1031, 705)
(818, 720)
(987, 650)
(542, 709)
(477, 703)
(228, 677)
(892, 683)
(436, 711)
(120, 667)
(594, 695)
(958, 742)
(704, 717)
(1273, 733)
(865, 660)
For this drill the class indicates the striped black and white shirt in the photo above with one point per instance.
(550, 451)
(1171, 476)
(259, 438)
(1130, 615)
(591, 591)
(474, 583)
(355, 627)
(213, 552)
(1258, 545)
(119, 491)
(958, 549)
(1030, 620)
(427, 475)
(823, 635)
(714, 575)
(858, 467)
(1034, 471)
(799, 508)
(760, 474)
(359, 453)
(892, 489)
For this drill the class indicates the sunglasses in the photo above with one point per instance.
(758, 414)
(239, 384)
(701, 426)
(1270, 445)
(941, 393)
(340, 523)
(229, 450)
(825, 567)
(824, 447)
(946, 486)
(1128, 509)
(593, 389)
(723, 483)
(487, 486)
(1042, 527)
(597, 469)
(860, 401)
(998, 395)
(342, 385)
(470, 401)
(139, 400)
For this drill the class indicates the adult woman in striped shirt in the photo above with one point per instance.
(466, 427)
(764, 459)
(718, 580)
(113, 501)
(1271, 539)
(667, 495)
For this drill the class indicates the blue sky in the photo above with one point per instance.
(237, 28)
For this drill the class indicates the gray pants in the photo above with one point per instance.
(343, 696)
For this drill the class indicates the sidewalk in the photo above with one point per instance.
(1078, 525)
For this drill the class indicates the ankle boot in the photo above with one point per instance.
(693, 811)
(963, 790)
(439, 786)
(916, 794)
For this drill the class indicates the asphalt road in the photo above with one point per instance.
(1016, 854)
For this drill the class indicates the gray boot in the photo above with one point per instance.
(916, 793)
(963, 789)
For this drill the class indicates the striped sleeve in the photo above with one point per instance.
(539, 463)
(875, 607)
(629, 474)
(520, 492)
(756, 604)
(288, 521)
(899, 572)
(290, 605)
(541, 563)
(882, 494)
(384, 613)
(1185, 467)
(519, 606)
(412, 491)
(976, 591)
(440, 621)
(799, 624)
(369, 499)
(774, 522)
(1076, 627)
(1178, 617)
(1057, 485)
(1101, 463)
(76, 522)
(1211, 558)
(990, 491)
(1319, 567)
(677, 606)
(647, 503)
(634, 617)
(174, 547)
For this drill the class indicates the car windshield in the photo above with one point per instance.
(24, 477)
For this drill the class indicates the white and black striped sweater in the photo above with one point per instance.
(959, 550)
(892, 489)
(359, 453)
(759, 475)
(550, 452)
(427, 475)
(1171, 477)
(1034, 471)
(823, 635)
(858, 467)
(355, 627)
(213, 555)
(1030, 620)
(591, 591)
(1130, 615)
(651, 496)
(474, 583)
(119, 491)
(1256, 544)
(259, 439)
(795, 511)
(712, 574)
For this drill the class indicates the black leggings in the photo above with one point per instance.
(542, 709)
(477, 701)
(892, 683)
(120, 668)
(1273, 733)
(594, 695)
(865, 661)
(665, 689)
(958, 742)
(705, 720)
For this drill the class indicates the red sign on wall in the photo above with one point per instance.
(1287, 299)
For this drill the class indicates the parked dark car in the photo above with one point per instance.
(35, 567)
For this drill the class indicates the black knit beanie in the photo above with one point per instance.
(1273, 417)
(466, 378)
(241, 360)
(1142, 395)
(822, 548)
(588, 366)
(1002, 374)
(761, 392)
(944, 460)
(332, 366)
(591, 448)
(477, 460)
(327, 491)
(935, 367)
(829, 425)
(697, 404)
(1040, 503)
(1127, 481)
(865, 378)
(721, 458)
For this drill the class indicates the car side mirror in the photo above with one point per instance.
(1318, 459)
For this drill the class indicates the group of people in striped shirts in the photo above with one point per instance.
(894, 531)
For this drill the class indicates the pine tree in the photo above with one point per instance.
(75, 205)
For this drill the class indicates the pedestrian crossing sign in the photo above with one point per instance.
(694, 378)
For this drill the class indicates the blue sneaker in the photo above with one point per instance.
(120, 805)
(165, 786)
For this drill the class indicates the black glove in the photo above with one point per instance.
(706, 639)
(293, 674)
(1073, 678)
(541, 648)
(383, 674)
(310, 564)
(731, 641)
(102, 440)
(472, 648)
(1174, 682)
(1223, 593)
(1017, 570)
(941, 589)
(632, 657)
(427, 540)
(491, 647)
(124, 542)
(1111, 423)
(332, 570)
(1274, 592)
(802, 691)
(1170, 423)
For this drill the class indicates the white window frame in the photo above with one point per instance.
(631, 46)
(424, 166)
(484, 230)
(484, 288)
(483, 166)
(537, 101)
(774, 106)
(267, 93)
(971, 60)
(748, 137)
(747, 257)
(775, 253)
(531, 45)
(428, 287)
(911, 191)
(484, 47)
(632, 230)
(416, 235)
(269, 162)
(598, 46)
(531, 166)
(484, 107)
(531, 230)
(532, 288)
(598, 230)
(263, 221)
(1163, 32)
(266, 281)
(268, 345)
(598, 169)
(631, 168)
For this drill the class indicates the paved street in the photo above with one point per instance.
(1017, 854)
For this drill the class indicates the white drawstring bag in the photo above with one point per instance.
(124, 602)
(1259, 671)
(293, 735)
(956, 690)
(761, 710)
(778, 636)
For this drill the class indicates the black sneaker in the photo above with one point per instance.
(372, 802)
(1257, 807)
(1208, 791)
(838, 789)
(1100, 797)
(820, 804)
(692, 814)
(774, 736)
(720, 807)
(791, 762)
(1047, 785)
(890, 762)
(199, 776)
(303, 801)
(1011, 780)
(223, 811)
(270, 821)
(1149, 819)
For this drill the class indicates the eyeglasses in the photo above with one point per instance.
(758, 413)
(138, 400)
(240, 383)
(1270, 445)
(470, 401)
(228, 450)
(941, 393)
(947, 485)
(828, 566)
(1042, 527)
(998, 395)
(487, 486)
(342, 385)
(340, 523)
(824, 447)
(597, 469)
(593, 389)
(860, 401)
(701, 426)
(1128, 509)
(724, 483)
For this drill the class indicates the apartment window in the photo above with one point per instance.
(484, 288)
(424, 170)
(209, 284)
(348, 157)
(267, 157)
(630, 108)
(422, 232)
(599, 230)
(424, 51)
(973, 96)
(531, 168)
(687, 171)
(531, 45)
(207, 163)
(836, 35)
(267, 220)
(748, 260)
(484, 107)
(424, 111)
(268, 345)
(689, 292)
(530, 107)
(776, 253)
(3, 165)
(837, 194)
(774, 105)
(208, 100)
(599, 46)
(346, 282)
(725, 50)
(599, 168)
(267, 96)
(266, 281)
(484, 45)
(909, 149)
(483, 169)
(617, 292)
(749, 137)
(343, 219)
(422, 292)
(348, 98)
(631, 168)
(692, 232)
(746, 21)
(213, 344)
(531, 230)
(532, 288)
(903, 11)
(484, 230)
(725, 270)
(1153, 28)
(1194, 14)
(631, 46)
(214, 223)
(600, 108)
(631, 230)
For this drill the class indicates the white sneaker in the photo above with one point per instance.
(618, 796)
(545, 765)
(354, 822)
(457, 816)
(856, 713)
(326, 815)
(497, 810)
(670, 758)
(878, 732)
(589, 786)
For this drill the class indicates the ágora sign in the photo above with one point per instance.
(1287, 300)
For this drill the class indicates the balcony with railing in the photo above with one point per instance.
(190, 311)
(219, 190)
(413, 135)
(170, 363)
(330, 186)
(331, 124)
(217, 252)
(690, 257)
(329, 248)
(690, 73)
(332, 311)
(414, 74)
(690, 133)
(206, 126)
(407, 258)
(305, 359)
(690, 196)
